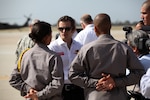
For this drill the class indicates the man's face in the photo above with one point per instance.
(145, 15)
(65, 30)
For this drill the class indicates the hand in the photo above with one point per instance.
(32, 94)
(105, 83)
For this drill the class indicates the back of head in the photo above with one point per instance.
(138, 39)
(103, 23)
(39, 31)
(86, 19)
(147, 5)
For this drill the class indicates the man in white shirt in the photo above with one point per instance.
(87, 34)
(67, 48)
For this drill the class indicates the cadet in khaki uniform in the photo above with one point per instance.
(100, 66)
(41, 74)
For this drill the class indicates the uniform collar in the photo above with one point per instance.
(102, 36)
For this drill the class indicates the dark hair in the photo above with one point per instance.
(39, 31)
(67, 18)
(103, 22)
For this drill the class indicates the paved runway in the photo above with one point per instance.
(8, 40)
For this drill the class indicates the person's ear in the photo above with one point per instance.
(135, 50)
(83, 25)
(96, 31)
(47, 39)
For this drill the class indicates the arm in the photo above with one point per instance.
(54, 88)
(78, 74)
(17, 82)
(105, 83)
(136, 71)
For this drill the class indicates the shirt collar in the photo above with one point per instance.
(61, 42)
(90, 25)
(41, 45)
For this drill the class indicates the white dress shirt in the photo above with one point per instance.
(145, 84)
(86, 35)
(145, 60)
(66, 54)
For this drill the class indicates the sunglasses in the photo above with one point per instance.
(64, 28)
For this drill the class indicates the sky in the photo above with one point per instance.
(13, 11)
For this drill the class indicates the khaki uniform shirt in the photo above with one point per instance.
(42, 70)
(109, 56)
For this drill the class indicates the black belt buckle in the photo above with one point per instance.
(67, 87)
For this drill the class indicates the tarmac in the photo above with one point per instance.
(8, 42)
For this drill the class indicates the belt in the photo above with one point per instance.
(69, 87)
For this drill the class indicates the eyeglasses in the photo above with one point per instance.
(64, 28)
